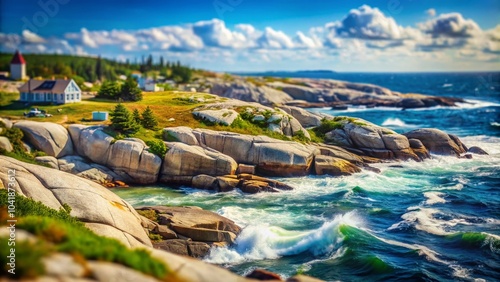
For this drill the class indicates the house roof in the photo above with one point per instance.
(18, 59)
(58, 85)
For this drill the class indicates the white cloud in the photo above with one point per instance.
(368, 23)
(303, 41)
(214, 33)
(431, 12)
(31, 37)
(274, 39)
(450, 25)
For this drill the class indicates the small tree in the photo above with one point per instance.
(109, 89)
(130, 91)
(137, 116)
(149, 120)
(122, 120)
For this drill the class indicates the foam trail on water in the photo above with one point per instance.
(257, 242)
(394, 122)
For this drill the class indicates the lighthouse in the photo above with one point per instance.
(18, 67)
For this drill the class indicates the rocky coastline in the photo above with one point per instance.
(310, 93)
(82, 160)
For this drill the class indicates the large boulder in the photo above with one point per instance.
(100, 209)
(334, 166)
(128, 158)
(5, 144)
(131, 158)
(193, 217)
(91, 142)
(270, 156)
(438, 142)
(191, 160)
(51, 138)
(372, 140)
(306, 118)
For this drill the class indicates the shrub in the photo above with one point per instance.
(326, 126)
(157, 147)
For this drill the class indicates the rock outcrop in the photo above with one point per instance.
(128, 158)
(183, 161)
(438, 142)
(270, 156)
(273, 119)
(370, 139)
(189, 231)
(306, 118)
(101, 210)
(334, 166)
(247, 183)
(249, 92)
(223, 116)
(51, 138)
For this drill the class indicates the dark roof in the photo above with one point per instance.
(57, 86)
(18, 59)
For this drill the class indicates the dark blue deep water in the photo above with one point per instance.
(437, 220)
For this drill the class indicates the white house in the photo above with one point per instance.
(58, 91)
(18, 67)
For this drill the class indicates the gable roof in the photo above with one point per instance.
(57, 86)
(18, 59)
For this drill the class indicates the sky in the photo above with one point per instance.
(257, 35)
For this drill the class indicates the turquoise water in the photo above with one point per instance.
(437, 220)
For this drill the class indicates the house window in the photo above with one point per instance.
(62, 97)
(67, 96)
(77, 96)
(55, 97)
(48, 96)
(72, 96)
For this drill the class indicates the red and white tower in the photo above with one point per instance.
(18, 67)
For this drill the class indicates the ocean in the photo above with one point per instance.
(437, 220)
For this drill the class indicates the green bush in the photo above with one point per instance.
(157, 147)
(326, 126)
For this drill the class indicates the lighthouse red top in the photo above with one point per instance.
(18, 59)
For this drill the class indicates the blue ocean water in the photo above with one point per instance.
(437, 220)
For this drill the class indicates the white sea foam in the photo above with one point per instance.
(257, 242)
(434, 198)
(394, 122)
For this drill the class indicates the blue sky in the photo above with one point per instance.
(256, 35)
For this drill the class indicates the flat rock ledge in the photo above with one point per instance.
(189, 231)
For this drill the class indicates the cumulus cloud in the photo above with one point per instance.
(303, 41)
(32, 37)
(274, 39)
(215, 34)
(369, 23)
(450, 25)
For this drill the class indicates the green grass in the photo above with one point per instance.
(57, 231)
